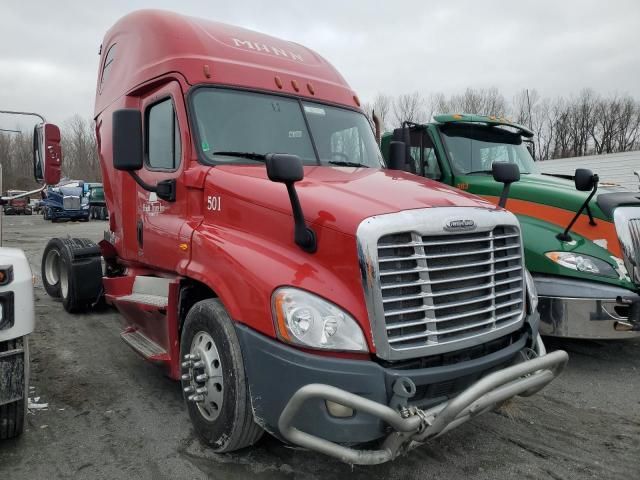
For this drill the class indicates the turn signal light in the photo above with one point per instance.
(6, 275)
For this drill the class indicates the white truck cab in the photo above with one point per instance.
(17, 317)
(17, 321)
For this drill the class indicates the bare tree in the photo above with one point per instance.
(408, 107)
(482, 101)
(79, 150)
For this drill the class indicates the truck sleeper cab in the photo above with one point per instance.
(588, 282)
(316, 310)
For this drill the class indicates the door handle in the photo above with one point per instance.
(139, 232)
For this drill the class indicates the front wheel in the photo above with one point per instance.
(214, 384)
(12, 415)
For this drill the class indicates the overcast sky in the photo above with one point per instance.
(49, 49)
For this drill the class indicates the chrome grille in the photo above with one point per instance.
(71, 203)
(445, 288)
(431, 291)
(627, 222)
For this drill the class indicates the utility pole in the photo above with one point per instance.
(529, 108)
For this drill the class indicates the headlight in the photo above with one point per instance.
(532, 292)
(582, 263)
(305, 319)
(85, 207)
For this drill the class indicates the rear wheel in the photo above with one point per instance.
(50, 270)
(215, 386)
(12, 415)
(77, 285)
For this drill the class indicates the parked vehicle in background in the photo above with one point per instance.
(18, 204)
(310, 292)
(17, 318)
(66, 202)
(36, 205)
(580, 237)
(97, 204)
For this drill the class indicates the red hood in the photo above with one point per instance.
(341, 197)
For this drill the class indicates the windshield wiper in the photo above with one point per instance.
(478, 171)
(347, 164)
(250, 155)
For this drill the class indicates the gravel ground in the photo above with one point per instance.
(111, 415)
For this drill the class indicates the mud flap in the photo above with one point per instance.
(86, 268)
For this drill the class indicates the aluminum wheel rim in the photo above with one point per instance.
(52, 267)
(204, 348)
(64, 282)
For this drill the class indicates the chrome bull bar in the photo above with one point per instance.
(414, 426)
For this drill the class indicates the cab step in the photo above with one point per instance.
(152, 291)
(144, 345)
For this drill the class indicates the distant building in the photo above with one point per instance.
(611, 167)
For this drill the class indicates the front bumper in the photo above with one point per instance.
(289, 389)
(581, 309)
(69, 214)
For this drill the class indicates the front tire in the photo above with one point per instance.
(220, 406)
(13, 415)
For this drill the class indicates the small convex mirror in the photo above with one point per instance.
(584, 179)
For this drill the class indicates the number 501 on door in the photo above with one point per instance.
(214, 203)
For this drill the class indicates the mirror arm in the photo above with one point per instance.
(565, 236)
(142, 183)
(304, 236)
(504, 195)
(592, 222)
(165, 189)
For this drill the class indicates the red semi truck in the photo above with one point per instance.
(260, 253)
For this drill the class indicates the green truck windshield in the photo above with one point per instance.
(473, 149)
(239, 121)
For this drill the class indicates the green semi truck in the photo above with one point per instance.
(581, 237)
(97, 204)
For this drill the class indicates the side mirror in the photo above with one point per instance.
(507, 173)
(397, 155)
(284, 168)
(584, 179)
(47, 153)
(287, 169)
(127, 139)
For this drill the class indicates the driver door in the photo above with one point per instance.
(166, 139)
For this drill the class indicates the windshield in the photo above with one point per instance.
(473, 149)
(232, 121)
